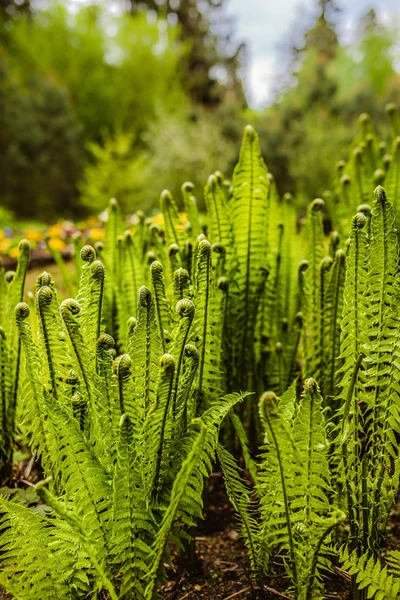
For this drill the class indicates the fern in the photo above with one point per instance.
(249, 223)
(371, 576)
(146, 351)
(10, 357)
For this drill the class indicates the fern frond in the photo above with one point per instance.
(239, 495)
(146, 352)
(370, 576)
(310, 439)
(181, 283)
(220, 227)
(190, 204)
(333, 308)
(132, 528)
(159, 428)
(79, 530)
(163, 310)
(39, 429)
(178, 491)
(208, 378)
(31, 569)
(312, 309)
(186, 401)
(384, 256)
(172, 222)
(85, 481)
(249, 222)
(186, 311)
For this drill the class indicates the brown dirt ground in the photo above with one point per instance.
(220, 570)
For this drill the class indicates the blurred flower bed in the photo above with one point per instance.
(59, 236)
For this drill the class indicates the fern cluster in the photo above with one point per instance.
(121, 390)
(123, 454)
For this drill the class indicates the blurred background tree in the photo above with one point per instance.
(76, 82)
(212, 60)
(125, 97)
(314, 117)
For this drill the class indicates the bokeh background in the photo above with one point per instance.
(122, 98)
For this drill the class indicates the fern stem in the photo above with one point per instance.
(340, 260)
(185, 309)
(326, 266)
(204, 256)
(365, 507)
(352, 509)
(167, 365)
(69, 309)
(380, 199)
(314, 562)
(285, 496)
(156, 272)
(45, 297)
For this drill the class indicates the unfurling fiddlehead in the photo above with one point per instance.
(185, 309)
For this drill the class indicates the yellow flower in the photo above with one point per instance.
(14, 252)
(33, 235)
(96, 234)
(4, 245)
(2, 236)
(158, 219)
(91, 222)
(54, 231)
(57, 244)
(183, 217)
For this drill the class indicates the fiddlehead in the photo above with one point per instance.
(186, 311)
(185, 404)
(174, 258)
(181, 284)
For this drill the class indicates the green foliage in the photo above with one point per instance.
(11, 292)
(41, 145)
(291, 515)
(127, 386)
(124, 474)
(370, 576)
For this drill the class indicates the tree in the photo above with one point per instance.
(40, 146)
(212, 62)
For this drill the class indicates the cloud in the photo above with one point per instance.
(260, 77)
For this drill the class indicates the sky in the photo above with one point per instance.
(264, 24)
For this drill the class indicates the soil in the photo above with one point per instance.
(39, 259)
(220, 569)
